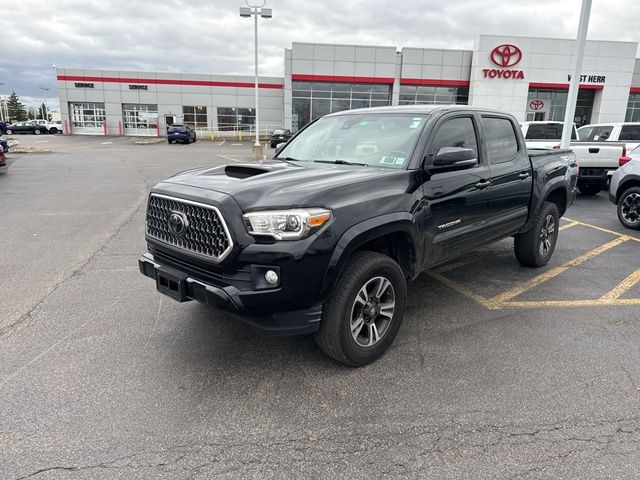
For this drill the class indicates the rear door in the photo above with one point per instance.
(455, 198)
(511, 175)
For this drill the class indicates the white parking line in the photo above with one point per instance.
(222, 142)
(43, 141)
(236, 144)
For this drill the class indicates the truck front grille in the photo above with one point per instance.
(188, 226)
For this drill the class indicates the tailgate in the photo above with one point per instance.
(598, 154)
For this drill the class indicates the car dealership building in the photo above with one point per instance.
(526, 76)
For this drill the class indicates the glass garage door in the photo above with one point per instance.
(87, 118)
(140, 119)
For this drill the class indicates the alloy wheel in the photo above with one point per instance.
(546, 235)
(631, 208)
(372, 311)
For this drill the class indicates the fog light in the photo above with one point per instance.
(271, 277)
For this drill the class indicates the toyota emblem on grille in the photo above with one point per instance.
(178, 223)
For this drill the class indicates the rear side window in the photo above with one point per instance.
(602, 133)
(457, 132)
(500, 139)
(546, 131)
(630, 132)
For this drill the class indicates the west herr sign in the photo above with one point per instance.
(505, 55)
(591, 78)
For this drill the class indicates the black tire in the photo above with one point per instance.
(629, 208)
(170, 141)
(589, 188)
(53, 130)
(9, 131)
(37, 131)
(194, 139)
(362, 272)
(535, 247)
(274, 145)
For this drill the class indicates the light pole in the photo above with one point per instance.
(246, 12)
(44, 102)
(3, 105)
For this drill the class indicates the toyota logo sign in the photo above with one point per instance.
(506, 55)
(178, 223)
(536, 104)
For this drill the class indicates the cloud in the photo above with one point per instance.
(204, 36)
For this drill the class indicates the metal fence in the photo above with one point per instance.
(237, 132)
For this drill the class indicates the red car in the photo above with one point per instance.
(3, 162)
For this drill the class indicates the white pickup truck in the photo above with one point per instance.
(627, 132)
(542, 134)
(597, 159)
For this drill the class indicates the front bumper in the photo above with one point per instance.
(181, 286)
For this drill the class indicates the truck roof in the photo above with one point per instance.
(413, 109)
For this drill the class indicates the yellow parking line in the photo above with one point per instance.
(495, 302)
(459, 288)
(612, 232)
(568, 225)
(570, 303)
(623, 286)
(226, 157)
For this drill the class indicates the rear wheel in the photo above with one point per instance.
(589, 188)
(535, 247)
(53, 130)
(9, 131)
(629, 208)
(37, 131)
(365, 310)
(170, 141)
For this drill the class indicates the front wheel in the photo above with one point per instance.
(9, 131)
(53, 130)
(629, 208)
(365, 310)
(535, 247)
(37, 131)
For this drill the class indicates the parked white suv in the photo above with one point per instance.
(624, 190)
(50, 126)
(628, 132)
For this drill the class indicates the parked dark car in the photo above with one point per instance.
(181, 132)
(4, 146)
(280, 136)
(323, 238)
(26, 127)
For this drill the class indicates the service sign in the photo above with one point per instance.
(83, 85)
(504, 56)
(138, 87)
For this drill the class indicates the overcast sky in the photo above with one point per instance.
(208, 36)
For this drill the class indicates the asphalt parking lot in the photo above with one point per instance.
(498, 371)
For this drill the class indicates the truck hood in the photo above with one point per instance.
(275, 184)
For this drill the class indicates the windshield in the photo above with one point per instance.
(382, 140)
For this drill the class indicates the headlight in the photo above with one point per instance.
(286, 224)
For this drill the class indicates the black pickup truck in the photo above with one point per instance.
(323, 238)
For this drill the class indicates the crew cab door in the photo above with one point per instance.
(455, 197)
(511, 175)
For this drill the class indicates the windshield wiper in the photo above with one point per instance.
(341, 162)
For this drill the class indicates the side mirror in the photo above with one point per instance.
(453, 158)
(279, 148)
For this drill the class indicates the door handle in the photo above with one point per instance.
(483, 184)
(523, 175)
(594, 150)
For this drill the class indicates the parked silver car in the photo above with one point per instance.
(624, 190)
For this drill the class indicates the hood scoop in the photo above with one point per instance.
(245, 171)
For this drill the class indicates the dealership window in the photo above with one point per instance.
(428, 95)
(195, 116)
(555, 102)
(633, 108)
(87, 115)
(234, 119)
(312, 100)
(140, 116)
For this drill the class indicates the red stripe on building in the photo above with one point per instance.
(160, 81)
(563, 86)
(634, 90)
(340, 79)
(434, 82)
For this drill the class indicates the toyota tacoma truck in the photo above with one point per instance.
(323, 237)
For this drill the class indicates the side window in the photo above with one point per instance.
(602, 133)
(500, 139)
(457, 132)
(630, 132)
(586, 133)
